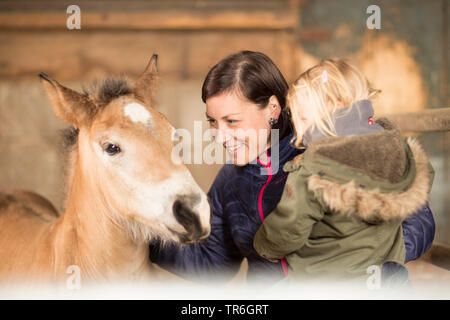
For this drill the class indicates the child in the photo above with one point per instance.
(347, 195)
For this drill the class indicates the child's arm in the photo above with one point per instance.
(287, 228)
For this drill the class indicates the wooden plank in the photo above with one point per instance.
(151, 21)
(149, 5)
(84, 56)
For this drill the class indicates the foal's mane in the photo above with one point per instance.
(100, 93)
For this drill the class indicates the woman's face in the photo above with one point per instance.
(241, 126)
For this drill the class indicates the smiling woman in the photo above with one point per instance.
(245, 98)
(241, 126)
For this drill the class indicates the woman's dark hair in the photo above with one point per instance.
(256, 77)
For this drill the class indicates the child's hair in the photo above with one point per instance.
(323, 89)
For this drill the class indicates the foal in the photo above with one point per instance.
(124, 188)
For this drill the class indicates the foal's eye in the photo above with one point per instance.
(112, 149)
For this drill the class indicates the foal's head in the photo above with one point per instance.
(124, 151)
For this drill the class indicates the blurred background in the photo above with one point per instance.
(407, 58)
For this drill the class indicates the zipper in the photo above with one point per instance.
(260, 209)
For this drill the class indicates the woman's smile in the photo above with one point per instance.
(234, 148)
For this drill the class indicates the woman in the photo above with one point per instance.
(247, 91)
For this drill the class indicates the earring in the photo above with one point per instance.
(273, 121)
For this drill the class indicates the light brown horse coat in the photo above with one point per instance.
(124, 187)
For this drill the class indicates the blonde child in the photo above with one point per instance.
(348, 193)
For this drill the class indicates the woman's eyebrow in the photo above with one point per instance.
(231, 114)
(226, 116)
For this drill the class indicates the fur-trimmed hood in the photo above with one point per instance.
(377, 176)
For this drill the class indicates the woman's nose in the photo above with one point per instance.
(222, 136)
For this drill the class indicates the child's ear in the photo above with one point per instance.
(338, 103)
(69, 105)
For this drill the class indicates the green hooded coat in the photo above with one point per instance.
(343, 204)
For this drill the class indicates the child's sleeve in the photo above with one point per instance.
(288, 227)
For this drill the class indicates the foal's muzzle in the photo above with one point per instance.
(184, 214)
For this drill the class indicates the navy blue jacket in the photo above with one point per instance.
(240, 198)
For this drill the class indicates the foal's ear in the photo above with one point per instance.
(146, 85)
(69, 105)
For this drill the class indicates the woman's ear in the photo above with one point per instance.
(273, 108)
(69, 105)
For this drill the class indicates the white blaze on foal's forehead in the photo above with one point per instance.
(137, 113)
